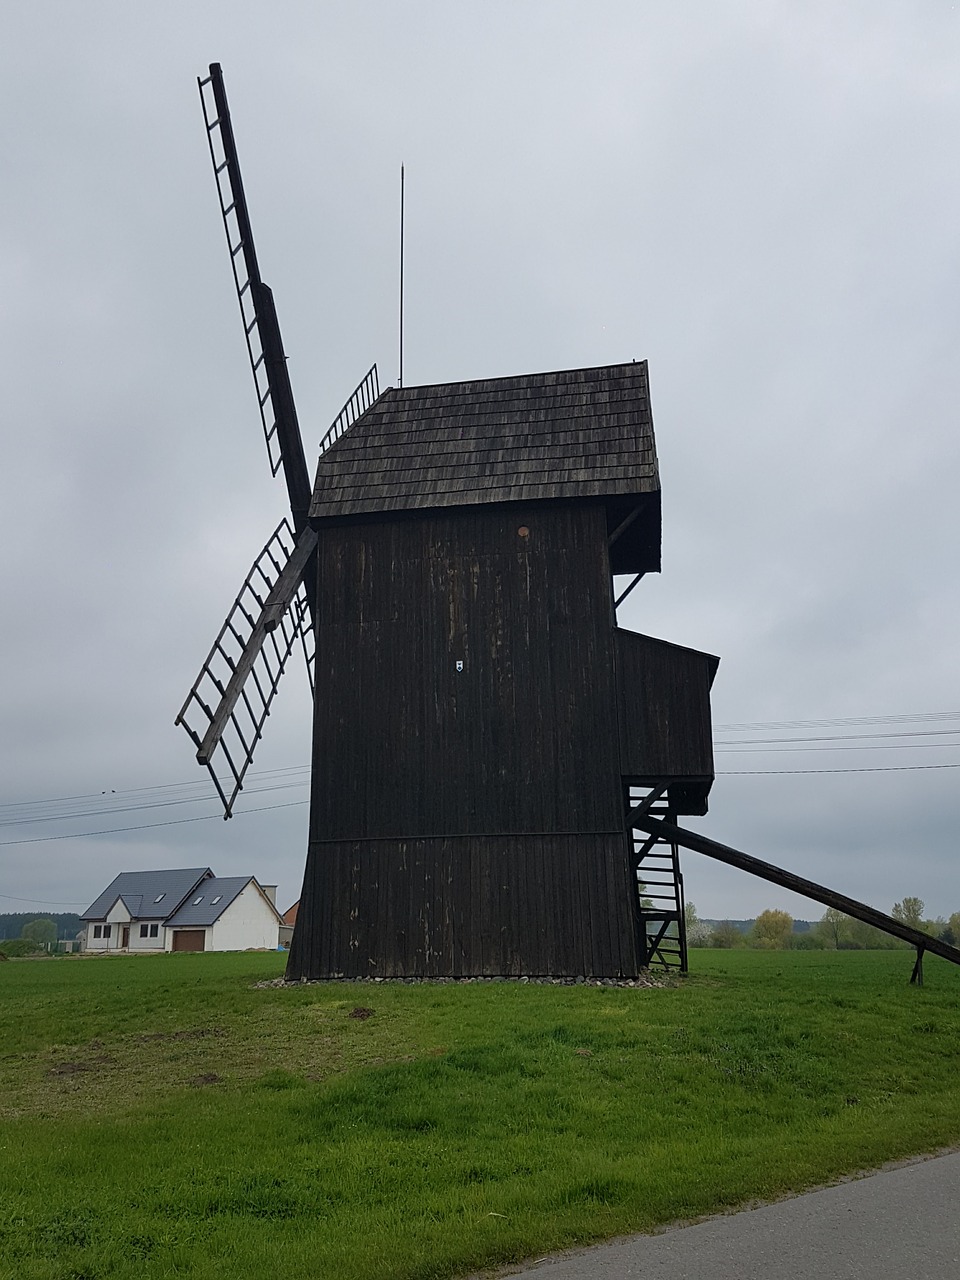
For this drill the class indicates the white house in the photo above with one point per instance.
(184, 910)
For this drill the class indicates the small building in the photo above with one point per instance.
(286, 927)
(189, 909)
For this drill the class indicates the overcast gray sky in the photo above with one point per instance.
(761, 199)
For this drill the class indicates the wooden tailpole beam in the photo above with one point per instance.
(797, 884)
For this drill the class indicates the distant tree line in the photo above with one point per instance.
(35, 934)
(68, 923)
(775, 930)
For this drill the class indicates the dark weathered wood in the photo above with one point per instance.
(798, 884)
(624, 525)
(291, 576)
(646, 804)
(275, 605)
(469, 905)
(261, 656)
(575, 435)
(295, 472)
(257, 309)
(467, 821)
(626, 591)
(519, 739)
(665, 730)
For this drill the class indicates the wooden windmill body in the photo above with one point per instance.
(469, 769)
(497, 766)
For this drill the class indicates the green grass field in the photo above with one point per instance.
(162, 1116)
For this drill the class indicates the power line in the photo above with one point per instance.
(159, 786)
(144, 826)
(38, 902)
(847, 737)
(892, 768)
(877, 746)
(919, 718)
(136, 808)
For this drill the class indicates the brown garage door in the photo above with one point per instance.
(189, 939)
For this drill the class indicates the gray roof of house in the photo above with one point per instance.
(147, 886)
(577, 433)
(206, 911)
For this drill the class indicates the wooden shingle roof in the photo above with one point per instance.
(579, 433)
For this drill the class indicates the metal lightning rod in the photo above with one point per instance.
(400, 378)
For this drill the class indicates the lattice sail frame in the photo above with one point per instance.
(243, 258)
(251, 652)
(225, 711)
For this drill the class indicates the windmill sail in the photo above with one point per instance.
(225, 711)
(262, 331)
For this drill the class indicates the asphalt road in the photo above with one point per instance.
(902, 1222)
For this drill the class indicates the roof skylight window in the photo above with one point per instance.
(160, 897)
(197, 901)
(215, 900)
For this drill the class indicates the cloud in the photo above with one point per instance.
(756, 200)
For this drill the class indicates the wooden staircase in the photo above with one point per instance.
(661, 931)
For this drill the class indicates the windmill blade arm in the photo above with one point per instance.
(225, 711)
(226, 165)
(286, 423)
(275, 606)
(261, 328)
(291, 576)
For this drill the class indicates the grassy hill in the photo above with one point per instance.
(166, 1115)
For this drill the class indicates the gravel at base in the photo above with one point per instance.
(644, 980)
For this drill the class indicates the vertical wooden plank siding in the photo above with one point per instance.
(467, 821)
(520, 739)
(429, 920)
(664, 707)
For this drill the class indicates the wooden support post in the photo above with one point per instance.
(917, 976)
(623, 594)
(624, 525)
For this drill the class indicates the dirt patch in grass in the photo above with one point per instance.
(194, 1033)
(71, 1068)
(112, 1073)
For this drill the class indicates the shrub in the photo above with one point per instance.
(726, 934)
(772, 930)
(19, 947)
(807, 941)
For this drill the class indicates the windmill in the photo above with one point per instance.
(498, 765)
(404, 513)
